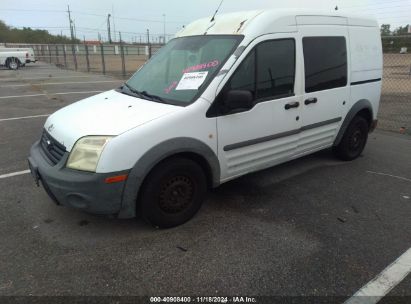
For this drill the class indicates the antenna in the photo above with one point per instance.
(218, 8)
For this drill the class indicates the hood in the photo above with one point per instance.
(108, 113)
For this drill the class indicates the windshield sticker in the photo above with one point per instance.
(171, 87)
(202, 66)
(192, 81)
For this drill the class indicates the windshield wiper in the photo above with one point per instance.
(152, 97)
(144, 94)
(132, 90)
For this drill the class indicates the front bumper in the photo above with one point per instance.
(76, 189)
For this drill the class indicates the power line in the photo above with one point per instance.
(129, 18)
(385, 2)
(89, 14)
(88, 29)
(388, 10)
(31, 10)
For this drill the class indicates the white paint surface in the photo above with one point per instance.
(14, 174)
(383, 283)
(390, 175)
(49, 94)
(46, 77)
(24, 117)
(58, 83)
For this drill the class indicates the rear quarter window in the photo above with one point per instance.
(325, 63)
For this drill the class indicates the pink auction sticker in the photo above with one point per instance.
(171, 87)
(202, 66)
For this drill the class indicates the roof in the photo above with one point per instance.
(264, 21)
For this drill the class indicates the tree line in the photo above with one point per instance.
(28, 35)
(399, 31)
(394, 40)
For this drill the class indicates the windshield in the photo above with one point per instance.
(182, 69)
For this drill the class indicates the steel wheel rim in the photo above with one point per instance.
(356, 140)
(176, 194)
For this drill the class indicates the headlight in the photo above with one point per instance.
(86, 153)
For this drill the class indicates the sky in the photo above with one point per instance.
(133, 17)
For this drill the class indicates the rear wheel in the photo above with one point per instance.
(13, 63)
(173, 192)
(353, 142)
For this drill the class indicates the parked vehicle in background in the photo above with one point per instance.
(228, 96)
(13, 59)
(30, 56)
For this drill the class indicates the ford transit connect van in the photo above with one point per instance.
(226, 97)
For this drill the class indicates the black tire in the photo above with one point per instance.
(173, 192)
(354, 140)
(13, 63)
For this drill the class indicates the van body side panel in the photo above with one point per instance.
(366, 65)
(265, 135)
(331, 104)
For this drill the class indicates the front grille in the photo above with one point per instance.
(52, 148)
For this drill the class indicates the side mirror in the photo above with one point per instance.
(238, 101)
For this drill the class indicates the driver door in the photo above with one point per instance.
(267, 133)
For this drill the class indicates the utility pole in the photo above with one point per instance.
(164, 37)
(74, 30)
(114, 24)
(148, 36)
(108, 28)
(71, 23)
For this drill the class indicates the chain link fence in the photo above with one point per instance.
(122, 60)
(395, 110)
(118, 60)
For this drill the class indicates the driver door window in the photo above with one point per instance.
(268, 72)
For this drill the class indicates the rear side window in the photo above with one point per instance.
(325, 62)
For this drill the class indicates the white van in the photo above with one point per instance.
(226, 97)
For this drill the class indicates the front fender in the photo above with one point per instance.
(155, 155)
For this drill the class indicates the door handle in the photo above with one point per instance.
(291, 105)
(310, 100)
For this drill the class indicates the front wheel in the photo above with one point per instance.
(13, 64)
(353, 142)
(173, 192)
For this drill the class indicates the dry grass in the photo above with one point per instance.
(113, 63)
